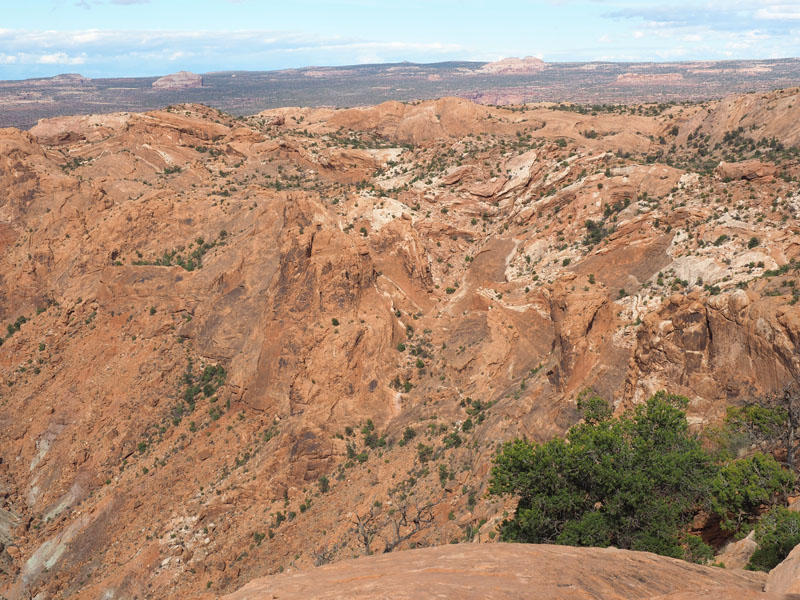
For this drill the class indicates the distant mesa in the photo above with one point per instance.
(514, 66)
(69, 78)
(62, 79)
(182, 80)
(648, 78)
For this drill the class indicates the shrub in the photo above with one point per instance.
(633, 482)
(424, 453)
(697, 551)
(444, 473)
(408, 434)
(636, 481)
(452, 440)
(777, 533)
(742, 486)
(595, 232)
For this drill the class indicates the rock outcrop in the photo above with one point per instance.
(748, 169)
(736, 554)
(785, 578)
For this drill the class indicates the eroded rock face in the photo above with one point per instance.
(719, 349)
(391, 291)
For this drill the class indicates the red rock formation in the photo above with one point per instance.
(413, 266)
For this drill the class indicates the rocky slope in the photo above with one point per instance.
(234, 346)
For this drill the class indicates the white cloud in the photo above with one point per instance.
(61, 58)
(779, 12)
(114, 52)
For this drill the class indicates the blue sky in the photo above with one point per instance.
(150, 37)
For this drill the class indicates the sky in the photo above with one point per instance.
(104, 38)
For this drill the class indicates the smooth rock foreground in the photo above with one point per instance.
(500, 571)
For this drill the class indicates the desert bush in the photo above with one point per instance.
(777, 533)
(634, 481)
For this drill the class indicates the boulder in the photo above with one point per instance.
(736, 555)
(747, 169)
(785, 578)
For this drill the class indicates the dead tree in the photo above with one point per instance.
(325, 555)
(776, 423)
(789, 401)
(366, 527)
(406, 521)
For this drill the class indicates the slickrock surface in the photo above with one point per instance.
(509, 571)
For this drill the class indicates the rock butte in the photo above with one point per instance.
(509, 66)
(179, 81)
(371, 265)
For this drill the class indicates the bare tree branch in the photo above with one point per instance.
(406, 521)
(366, 527)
